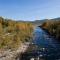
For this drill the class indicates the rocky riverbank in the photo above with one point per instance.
(11, 55)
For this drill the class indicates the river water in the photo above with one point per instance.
(43, 47)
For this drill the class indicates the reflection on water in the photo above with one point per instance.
(44, 47)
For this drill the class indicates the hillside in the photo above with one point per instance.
(14, 32)
(39, 22)
(53, 27)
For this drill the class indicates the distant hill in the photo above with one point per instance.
(56, 19)
(38, 22)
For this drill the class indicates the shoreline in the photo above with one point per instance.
(13, 55)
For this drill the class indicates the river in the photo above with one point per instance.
(43, 47)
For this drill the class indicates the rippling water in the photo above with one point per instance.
(44, 47)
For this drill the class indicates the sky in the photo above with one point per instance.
(29, 9)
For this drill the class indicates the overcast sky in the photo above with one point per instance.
(29, 9)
